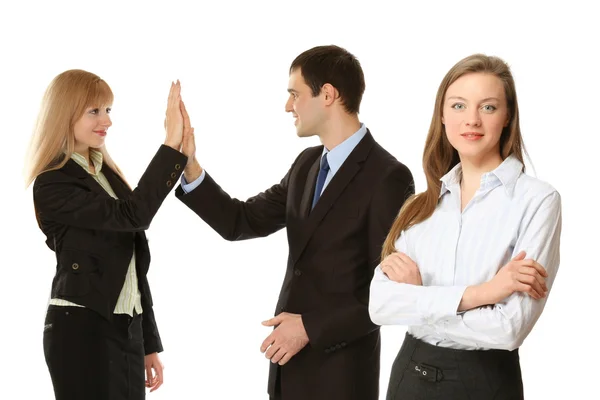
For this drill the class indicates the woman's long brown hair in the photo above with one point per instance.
(64, 103)
(439, 157)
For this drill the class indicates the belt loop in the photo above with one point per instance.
(439, 375)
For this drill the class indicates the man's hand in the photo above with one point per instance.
(192, 170)
(188, 147)
(286, 340)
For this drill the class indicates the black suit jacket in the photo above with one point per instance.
(333, 251)
(93, 235)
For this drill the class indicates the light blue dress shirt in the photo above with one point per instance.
(335, 157)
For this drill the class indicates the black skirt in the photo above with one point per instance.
(427, 372)
(92, 358)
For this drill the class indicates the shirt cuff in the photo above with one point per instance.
(441, 303)
(188, 187)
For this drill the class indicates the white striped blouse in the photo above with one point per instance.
(509, 213)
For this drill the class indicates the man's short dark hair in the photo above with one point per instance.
(336, 66)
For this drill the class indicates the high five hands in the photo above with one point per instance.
(179, 131)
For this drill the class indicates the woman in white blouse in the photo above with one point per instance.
(468, 263)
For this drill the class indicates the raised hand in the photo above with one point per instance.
(174, 118)
(192, 170)
(188, 147)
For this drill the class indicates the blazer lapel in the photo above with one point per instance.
(115, 181)
(309, 188)
(75, 170)
(332, 192)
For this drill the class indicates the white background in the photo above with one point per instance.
(232, 59)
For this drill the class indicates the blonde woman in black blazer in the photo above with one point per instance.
(100, 335)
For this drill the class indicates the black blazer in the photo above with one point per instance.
(333, 251)
(93, 235)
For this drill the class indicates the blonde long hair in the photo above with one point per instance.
(439, 157)
(64, 103)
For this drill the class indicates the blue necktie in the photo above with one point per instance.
(321, 179)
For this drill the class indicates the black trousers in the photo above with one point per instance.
(426, 372)
(90, 358)
(277, 387)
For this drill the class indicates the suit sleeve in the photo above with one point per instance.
(61, 198)
(152, 342)
(234, 219)
(348, 319)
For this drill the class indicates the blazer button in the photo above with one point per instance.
(297, 272)
(169, 183)
(173, 175)
(177, 167)
(75, 266)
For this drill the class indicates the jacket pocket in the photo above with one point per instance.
(76, 269)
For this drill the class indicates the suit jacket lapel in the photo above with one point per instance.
(309, 188)
(123, 191)
(332, 192)
(116, 183)
(75, 170)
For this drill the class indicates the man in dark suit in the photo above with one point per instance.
(337, 202)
